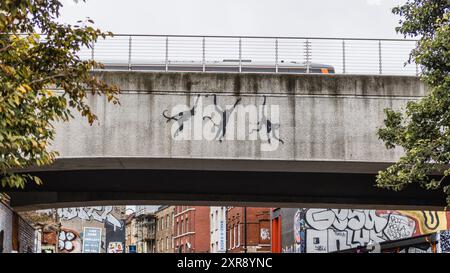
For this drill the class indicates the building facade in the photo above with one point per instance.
(191, 229)
(309, 230)
(145, 232)
(17, 235)
(164, 229)
(130, 234)
(248, 229)
(218, 229)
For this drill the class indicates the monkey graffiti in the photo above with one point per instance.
(219, 122)
(181, 117)
(224, 118)
(271, 128)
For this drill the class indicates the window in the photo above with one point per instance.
(212, 221)
(182, 227)
(167, 221)
(187, 225)
(234, 236)
(231, 237)
(238, 235)
(217, 219)
(178, 228)
(167, 243)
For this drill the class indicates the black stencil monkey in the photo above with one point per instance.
(271, 128)
(181, 117)
(224, 118)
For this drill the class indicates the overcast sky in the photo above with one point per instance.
(325, 18)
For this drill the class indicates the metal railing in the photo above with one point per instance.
(246, 53)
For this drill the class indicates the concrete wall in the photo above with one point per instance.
(324, 121)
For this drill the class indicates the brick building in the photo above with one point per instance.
(191, 229)
(164, 229)
(258, 230)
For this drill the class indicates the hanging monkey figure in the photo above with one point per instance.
(271, 128)
(224, 118)
(181, 117)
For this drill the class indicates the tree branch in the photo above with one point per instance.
(5, 48)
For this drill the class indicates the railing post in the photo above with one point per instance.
(343, 56)
(240, 55)
(379, 57)
(167, 53)
(276, 55)
(129, 53)
(203, 55)
(308, 56)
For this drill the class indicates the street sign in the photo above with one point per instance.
(92, 240)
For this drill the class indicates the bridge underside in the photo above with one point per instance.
(209, 187)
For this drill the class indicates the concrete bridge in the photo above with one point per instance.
(229, 138)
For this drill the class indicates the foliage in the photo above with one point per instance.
(423, 130)
(42, 81)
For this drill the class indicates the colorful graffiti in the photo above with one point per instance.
(69, 241)
(100, 214)
(327, 230)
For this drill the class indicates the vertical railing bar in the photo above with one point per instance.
(307, 57)
(276, 55)
(167, 53)
(240, 55)
(129, 53)
(343, 56)
(379, 57)
(203, 55)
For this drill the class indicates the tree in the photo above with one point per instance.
(42, 81)
(423, 129)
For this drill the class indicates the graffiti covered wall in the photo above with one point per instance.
(74, 220)
(327, 230)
